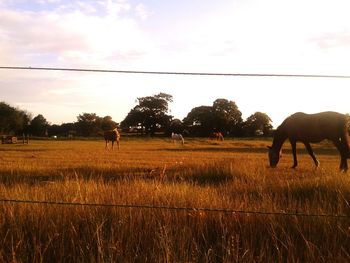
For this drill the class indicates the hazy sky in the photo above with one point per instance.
(226, 36)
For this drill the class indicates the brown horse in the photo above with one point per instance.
(112, 135)
(216, 136)
(312, 128)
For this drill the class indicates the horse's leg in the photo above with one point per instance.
(343, 167)
(345, 163)
(346, 152)
(106, 144)
(343, 155)
(112, 144)
(294, 151)
(311, 153)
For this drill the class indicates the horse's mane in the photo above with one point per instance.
(280, 135)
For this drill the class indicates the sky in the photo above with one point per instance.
(224, 36)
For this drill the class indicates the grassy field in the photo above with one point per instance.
(231, 175)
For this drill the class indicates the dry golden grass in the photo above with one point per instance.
(202, 174)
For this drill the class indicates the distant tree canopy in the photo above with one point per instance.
(227, 117)
(65, 129)
(222, 116)
(176, 126)
(39, 126)
(13, 120)
(199, 120)
(89, 124)
(258, 124)
(150, 113)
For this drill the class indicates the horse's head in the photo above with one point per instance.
(274, 156)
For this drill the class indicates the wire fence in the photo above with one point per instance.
(178, 73)
(173, 208)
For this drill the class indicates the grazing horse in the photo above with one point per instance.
(216, 136)
(312, 128)
(112, 135)
(177, 137)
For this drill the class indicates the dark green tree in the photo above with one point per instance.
(39, 126)
(257, 124)
(150, 113)
(227, 117)
(107, 123)
(62, 130)
(88, 124)
(222, 116)
(200, 121)
(134, 119)
(176, 126)
(13, 120)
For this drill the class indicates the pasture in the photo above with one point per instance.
(229, 175)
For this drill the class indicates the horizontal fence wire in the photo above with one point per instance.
(155, 207)
(173, 208)
(178, 73)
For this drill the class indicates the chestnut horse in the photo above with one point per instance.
(112, 135)
(312, 128)
(216, 136)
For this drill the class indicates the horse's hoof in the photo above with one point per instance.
(317, 164)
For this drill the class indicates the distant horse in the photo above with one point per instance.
(177, 137)
(312, 128)
(112, 135)
(216, 136)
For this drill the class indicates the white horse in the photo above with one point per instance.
(177, 137)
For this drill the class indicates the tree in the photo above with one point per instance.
(133, 119)
(176, 126)
(39, 126)
(108, 124)
(222, 116)
(150, 113)
(227, 117)
(62, 130)
(88, 124)
(13, 120)
(199, 120)
(257, 123)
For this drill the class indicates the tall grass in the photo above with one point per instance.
(202, 174)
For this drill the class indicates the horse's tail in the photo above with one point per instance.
(347, 135)
(347, 139)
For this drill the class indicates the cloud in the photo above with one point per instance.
(333, 40)
(86, 34)
(79, 36)
(115, 8)
(142, 11)
(240, 37)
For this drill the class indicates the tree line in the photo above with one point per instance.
(150, 116)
